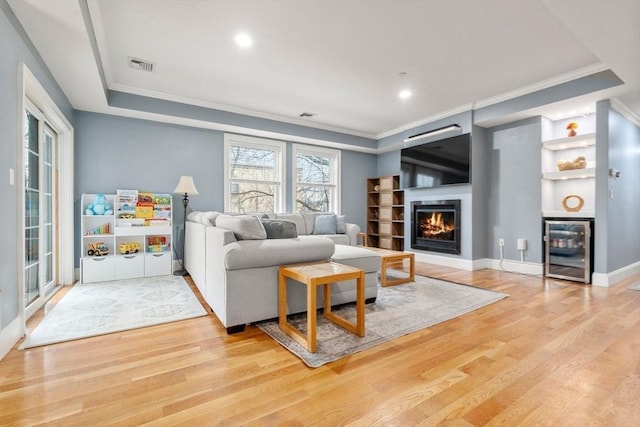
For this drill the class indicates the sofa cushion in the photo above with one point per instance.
(206, 218)
(245, 227)
(279, 228)
(275, 252)
(325, 224)
(362, 258)
(301, 229)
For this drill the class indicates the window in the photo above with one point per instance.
(316, 176)
(254, 174)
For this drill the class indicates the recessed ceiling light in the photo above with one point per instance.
(404, 94)
(243, 40)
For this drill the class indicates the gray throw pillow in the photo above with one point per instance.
(325, 224)
(341, 224)
(245, 227)
(279, 228)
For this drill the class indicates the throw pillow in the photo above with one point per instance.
(211, 216)
(245, 227)
(280, 228)
(325, 224)
(341, 224)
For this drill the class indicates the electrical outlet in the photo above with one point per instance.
(500, 242)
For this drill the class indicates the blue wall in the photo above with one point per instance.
(515, 192)
(15, 49)
(623, 210)
(114, 152)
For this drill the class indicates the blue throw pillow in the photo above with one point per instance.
(325, 224)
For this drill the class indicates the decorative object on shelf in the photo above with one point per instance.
(100, 206)
(575, 205)
(97, 249)
(99, 230)
(187, 188)
(129, 248)
(571, 127)
(376, 188)
(577, 163)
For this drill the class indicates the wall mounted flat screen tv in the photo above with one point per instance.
(433, 164)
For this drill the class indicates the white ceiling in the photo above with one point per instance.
(337, 59)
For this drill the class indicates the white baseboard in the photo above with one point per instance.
(9, 336)
(462, 264)
(607, 279)
(479, 264)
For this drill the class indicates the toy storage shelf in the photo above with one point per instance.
(131, 241)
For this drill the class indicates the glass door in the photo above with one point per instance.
(568, 250)
(40, 260)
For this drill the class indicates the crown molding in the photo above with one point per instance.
(621, 108)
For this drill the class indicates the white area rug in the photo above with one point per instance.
(91, 309)
(398, 310)
(635, 287)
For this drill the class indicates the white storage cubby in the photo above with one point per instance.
(136, 237)
(560, 184)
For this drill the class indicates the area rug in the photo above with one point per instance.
(635, 287)
(398, 310)
(91, 309)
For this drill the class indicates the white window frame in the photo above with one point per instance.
(335, 178)
(280, 150)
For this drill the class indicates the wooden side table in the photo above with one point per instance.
(389, 259)
(322, 273)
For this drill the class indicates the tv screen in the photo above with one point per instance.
(443, 162)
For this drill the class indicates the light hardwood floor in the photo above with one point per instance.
(553, 353)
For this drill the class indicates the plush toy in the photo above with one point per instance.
(571, 127)
(100, 206)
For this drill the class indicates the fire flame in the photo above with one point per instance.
(435, 225)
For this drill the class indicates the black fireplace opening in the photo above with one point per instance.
(435, 226)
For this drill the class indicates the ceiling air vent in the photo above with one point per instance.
(141, 64)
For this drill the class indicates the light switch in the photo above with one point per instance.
(12, 176)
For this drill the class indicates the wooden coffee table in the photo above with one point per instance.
(393, 259)
(322, 273)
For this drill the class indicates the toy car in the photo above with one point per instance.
(97, 249)
(129, 248)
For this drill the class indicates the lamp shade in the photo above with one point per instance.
(186, 186)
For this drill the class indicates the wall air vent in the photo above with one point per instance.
(141, 64)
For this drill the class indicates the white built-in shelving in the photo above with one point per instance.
(558, 184)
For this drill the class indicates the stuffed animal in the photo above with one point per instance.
(100, 206)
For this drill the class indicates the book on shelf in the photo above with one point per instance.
(126, 200)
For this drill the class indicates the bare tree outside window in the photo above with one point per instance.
(253, 179)
(315, 182)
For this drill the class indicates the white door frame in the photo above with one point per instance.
(35, 93)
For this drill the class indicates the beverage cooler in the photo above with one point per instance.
(568, 249)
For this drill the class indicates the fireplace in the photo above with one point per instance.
(435, 226)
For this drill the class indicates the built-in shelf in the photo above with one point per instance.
(571, 174)
(563, 214)
(385, 213)
(569, 142)
(557, 150)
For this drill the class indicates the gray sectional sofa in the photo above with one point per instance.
(236, 271)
